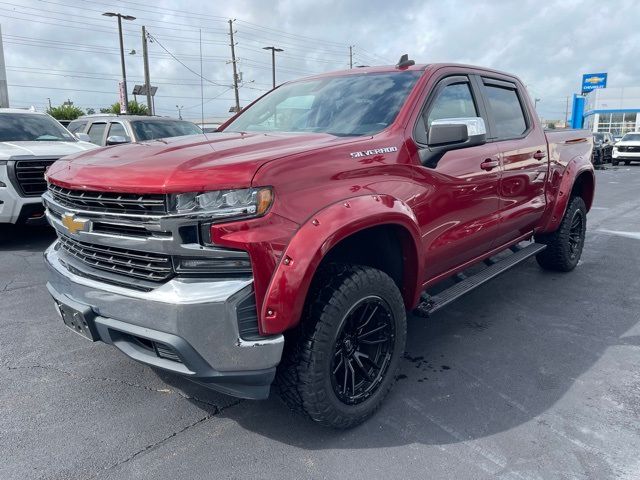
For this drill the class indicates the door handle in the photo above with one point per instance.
(539, 155)
(489, 164)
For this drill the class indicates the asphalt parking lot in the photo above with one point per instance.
(533, 376)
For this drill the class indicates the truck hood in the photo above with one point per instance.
(215, 161)
(628, 143)
(42, 149)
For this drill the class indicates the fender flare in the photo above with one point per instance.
(560, 200)
(287, 291)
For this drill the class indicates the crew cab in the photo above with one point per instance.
(29, 143)
(627, 149)
(288, 247)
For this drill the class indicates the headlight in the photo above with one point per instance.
(241, 203)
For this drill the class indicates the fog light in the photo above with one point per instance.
(2, 184)
(233, 265)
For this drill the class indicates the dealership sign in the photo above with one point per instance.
(591, 81)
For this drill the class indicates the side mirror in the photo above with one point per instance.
(117, 140)
(83, 137)
(452, 134)
(606, 140)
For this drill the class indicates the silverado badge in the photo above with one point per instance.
(73, 224)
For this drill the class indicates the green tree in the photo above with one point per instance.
(65, 112)
(135, 108)
(551, 126)
(91, 111)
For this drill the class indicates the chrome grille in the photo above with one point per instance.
(107, 202)
(29, 175)
(131, 263)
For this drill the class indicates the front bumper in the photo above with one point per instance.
(626, 155)
(188, 326)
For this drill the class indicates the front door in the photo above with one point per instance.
(458, 206)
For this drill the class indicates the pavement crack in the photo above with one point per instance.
(151, 446)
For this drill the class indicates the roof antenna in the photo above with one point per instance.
(404, 62)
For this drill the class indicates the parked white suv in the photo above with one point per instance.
(29, 143)
(627, 149)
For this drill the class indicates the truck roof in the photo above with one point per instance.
(394, 68)
(20, 110)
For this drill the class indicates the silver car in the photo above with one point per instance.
(109, 129)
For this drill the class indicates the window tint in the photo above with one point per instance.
(454, 101)
(75, 127)
(506, 112)
(117, 129)
(96, 132)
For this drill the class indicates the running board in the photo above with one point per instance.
(433, 303)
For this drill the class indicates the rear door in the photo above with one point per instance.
(522, 148)
(458, 207)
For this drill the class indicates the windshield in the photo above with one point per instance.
(152, 129)
(345, 106)
(598, 137)
(631, 137)
(31, 127)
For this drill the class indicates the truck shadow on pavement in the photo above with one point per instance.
(25, 238)
(503, 356)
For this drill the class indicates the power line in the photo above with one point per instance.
(155, 40)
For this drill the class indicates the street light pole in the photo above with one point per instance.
(124, 71)
(180, 107)
(273, 62)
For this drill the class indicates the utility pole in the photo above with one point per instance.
(350, 56)
(49, 99)
(124, 70)
(4, 90)
(535, 103)
(147, 81)
(180, 107)
(566, 115)
(273, 62)
(201, 86)
(235, 70)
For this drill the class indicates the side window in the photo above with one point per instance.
(454, 101)
(506, 112)
(96, 132)
(76, 127)
(116, 129)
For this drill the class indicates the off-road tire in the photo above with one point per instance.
(559, 255)
(304, 378)
(627, 162)
(615, 162)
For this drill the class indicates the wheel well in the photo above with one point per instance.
(583, 187)
(388, 248)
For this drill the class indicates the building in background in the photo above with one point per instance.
(615, 110)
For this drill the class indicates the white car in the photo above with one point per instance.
(29, 143)
(627, 149)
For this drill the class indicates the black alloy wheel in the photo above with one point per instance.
(363, 350)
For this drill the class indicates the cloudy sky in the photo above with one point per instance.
(65, 49)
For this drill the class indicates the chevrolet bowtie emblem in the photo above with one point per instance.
(73, 224)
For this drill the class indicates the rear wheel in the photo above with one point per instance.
(342, 361)
(564, 246)
(615, 162)
(627, 162)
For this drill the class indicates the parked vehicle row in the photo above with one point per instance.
(31, 141)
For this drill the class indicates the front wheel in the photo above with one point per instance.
(342, 361)
(564, 246)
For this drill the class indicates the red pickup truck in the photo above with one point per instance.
(287, 247)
